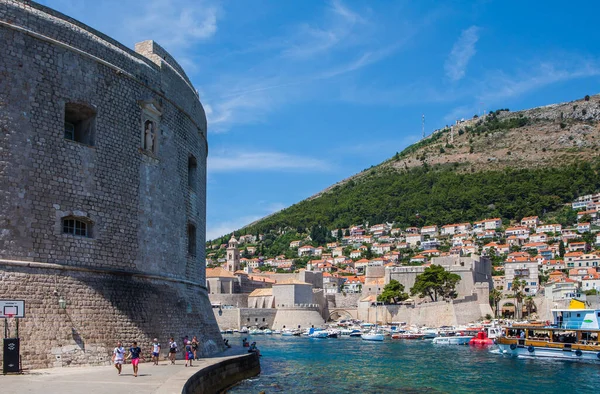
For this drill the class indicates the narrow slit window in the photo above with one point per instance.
(191, 239)
(192, 172)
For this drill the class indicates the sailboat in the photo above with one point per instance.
(374, 334)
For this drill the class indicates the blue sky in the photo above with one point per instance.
(301, 94)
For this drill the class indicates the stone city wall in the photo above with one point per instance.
(236, 300)
(250, 317)
(138, 270)
(341, 300)
(434, 314)
(297, 318)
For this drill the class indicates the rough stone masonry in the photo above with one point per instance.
(102, 191)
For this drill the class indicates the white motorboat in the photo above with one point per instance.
(287, 333)
(372, 336)
(267, 332)
(317, 333)
(453, 340)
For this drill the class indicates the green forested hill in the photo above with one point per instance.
(424, 195)
(504, 164)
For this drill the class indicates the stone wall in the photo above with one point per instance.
(101, 309)
(341, 300)
(257, 317)
(219, 377)
(434, 314)
(297, 317)
(236, 300)
(139, 271)
(228, 319)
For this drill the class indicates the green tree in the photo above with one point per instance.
(435, 282)
(393, 293)
(518, 286)
(529, 305)
(340, 234)
(495, 297)
(561, 249)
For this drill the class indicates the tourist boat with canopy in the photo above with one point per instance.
(573, 335)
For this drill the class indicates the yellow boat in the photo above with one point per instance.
(573, 335)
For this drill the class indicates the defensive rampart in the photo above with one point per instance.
(102, 191)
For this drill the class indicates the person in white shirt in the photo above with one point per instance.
(172, 350)
(155, 351)
(118, 356)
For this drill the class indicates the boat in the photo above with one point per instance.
(267, 332)
(356, 333)
(453, 338)
(408, 335)
(374, 334)
(277, 332)
(573, 335)
(317, 333)
(244, 330)
(332, 333)
(287, 333)
(430, 333)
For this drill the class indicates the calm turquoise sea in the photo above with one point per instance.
(351, 365)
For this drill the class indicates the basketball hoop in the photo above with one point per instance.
(9, 315)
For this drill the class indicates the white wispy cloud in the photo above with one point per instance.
(221, 228)
(264, 161)
(462, 51)
(499, 85)
(310, 39)
(175, 24)
(263, 209)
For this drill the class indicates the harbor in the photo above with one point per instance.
(305, 365)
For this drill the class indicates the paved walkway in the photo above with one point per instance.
(159, 379)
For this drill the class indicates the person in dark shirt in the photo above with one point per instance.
(134, 354)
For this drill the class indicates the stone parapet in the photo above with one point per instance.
(218, 377)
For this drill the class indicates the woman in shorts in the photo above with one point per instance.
(195, 347)
(172, 350)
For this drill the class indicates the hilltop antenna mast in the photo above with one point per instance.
(423, 125)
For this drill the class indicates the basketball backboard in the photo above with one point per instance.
(12, 308)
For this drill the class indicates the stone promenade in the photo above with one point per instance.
(162, 379)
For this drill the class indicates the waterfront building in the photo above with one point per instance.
(523, 270)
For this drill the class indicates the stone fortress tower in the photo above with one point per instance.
(102, 191)
(233, 255)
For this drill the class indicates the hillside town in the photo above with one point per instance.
(539, 253)
(548, 259)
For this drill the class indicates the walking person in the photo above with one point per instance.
(155, 351)
(118, 356)
(189, 355)
(172, 350)
(134, 354)
(195, 347)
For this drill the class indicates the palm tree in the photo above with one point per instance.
(495, 297)
(529, 305)
(517, 286)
